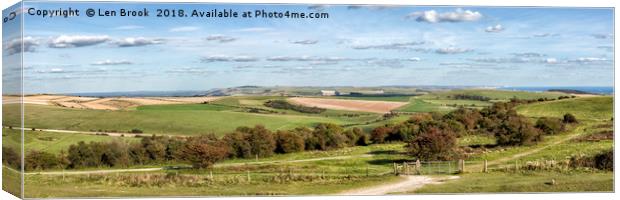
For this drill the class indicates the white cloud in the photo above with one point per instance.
(603, 36)
(184, 29)
(452, 50)
(394, 45)
(545, 35)
(414, 59)
(14, 46)
(494, 29)
(220, 38)
(459, 15)
(305, 42)
(226, 58)
(113, 62)
(69, 41)
(137, 41)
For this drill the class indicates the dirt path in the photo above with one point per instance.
(405, 184)
(111, 134)
(106, 171)
(574, 135)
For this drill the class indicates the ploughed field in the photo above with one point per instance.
(352, 105)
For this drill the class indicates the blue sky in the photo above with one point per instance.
(356, 46)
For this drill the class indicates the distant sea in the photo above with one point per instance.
(594, 90)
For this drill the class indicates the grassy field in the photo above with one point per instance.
(587, 108)
(51, 142)
(494, 94)
(173, 119)
(419, 105)
(353, 167)
(499, 182)
(11, 181)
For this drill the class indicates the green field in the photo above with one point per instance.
(173, 119)
(419, 105)
(500, 182)
(51, 142)
(587, 108)
(373, 98)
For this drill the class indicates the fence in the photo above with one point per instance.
(462, 166)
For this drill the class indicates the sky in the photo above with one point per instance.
(356, 46)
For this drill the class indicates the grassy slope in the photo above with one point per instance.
(589, 108)
(375, 158)
(51, 142)
(525, 182)
(178, 120)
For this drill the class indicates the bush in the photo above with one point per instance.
(287, 142)
(136, 131)
(40, 160)
(549, 126)
(601, 161)
(11, 158)
(330, 136)
(379, 134)
(434, 144)
(517, 131)
(204, 151)
(570, 119)
(238, 144)
(261, 140)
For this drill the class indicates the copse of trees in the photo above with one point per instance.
(204, 151)
(471, 97)
(283, 104)
(433, 144)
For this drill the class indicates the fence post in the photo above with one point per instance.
(461, 166)
(249, 176)
(405, 168)
(417, 166)
(395, 170)
(366, 170)
(486, 167)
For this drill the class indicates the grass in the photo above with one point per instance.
(340, 174)
(51, 142)
(503, 182)
(38, 187)
(590, 108)
(494, 94)
(469, 140)
(419, 105)
(11, 181)
(175, 119)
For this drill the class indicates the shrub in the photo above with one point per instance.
(40, 160)
(204, 151)
(516, 131)
(379, 134)
(238, 144)
(550, 126)
(331, 134)
(11, 158)
(136, 131)
(569, 119)
(287, 142)
(261, 140)
(434, 144)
